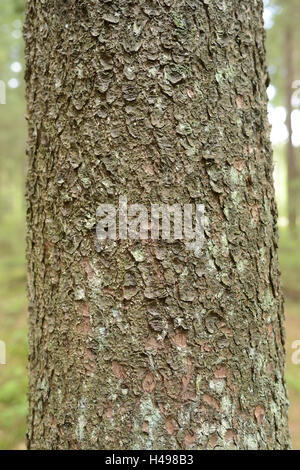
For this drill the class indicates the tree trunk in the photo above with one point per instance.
(290, 151)
(141, 344)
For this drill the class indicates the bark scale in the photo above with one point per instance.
(140, 344)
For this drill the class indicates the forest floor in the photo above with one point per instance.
(13, 330)
(293, 372)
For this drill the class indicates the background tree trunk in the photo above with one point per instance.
(141, 345)
(290, 151)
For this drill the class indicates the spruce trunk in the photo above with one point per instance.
(141, 344)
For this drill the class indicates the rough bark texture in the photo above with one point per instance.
(140, 345)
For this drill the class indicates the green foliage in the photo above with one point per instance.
(13, 317)
(286, 16)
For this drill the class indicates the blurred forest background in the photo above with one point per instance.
(283, 49)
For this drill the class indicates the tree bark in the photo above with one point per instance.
(139, 344)
(290, 151)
